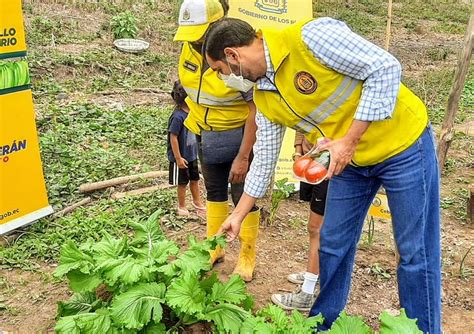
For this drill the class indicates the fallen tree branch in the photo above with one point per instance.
(140, 191)
(88, 187)
(72, 207)
(138, 90)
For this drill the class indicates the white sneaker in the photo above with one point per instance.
(299, 300)
(297, 278)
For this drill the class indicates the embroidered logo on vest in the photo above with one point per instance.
(305, 83)
(190, 66)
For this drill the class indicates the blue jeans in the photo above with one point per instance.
(411, 181)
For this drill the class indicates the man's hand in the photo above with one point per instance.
(182, 163)
(231, 227)
(341, 151)
(239, 169)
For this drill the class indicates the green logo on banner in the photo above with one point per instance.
(272, 6)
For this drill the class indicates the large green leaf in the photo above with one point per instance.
(153, 328)
(257, 325)
(80, 282)
(127, 270)
(86, 323)
(346, 324)
(390, 324)
(161, 250)
(140, 304)
(300, 324)
(78, 303)
(67, 325)
(186, 295)
(227, 317)
(109, 248)
(276, 315)
(98, 322)
(207, 283)
(72, 258)
(193, 261)
(233, 291)
(148, 231)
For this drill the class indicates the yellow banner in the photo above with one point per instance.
(275, 14)
(12, 32)
(23, 196)
(379, 207)
(271, 13)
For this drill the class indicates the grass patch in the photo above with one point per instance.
(86, 143)
(433, 87)
(369, 20)
(43, 240)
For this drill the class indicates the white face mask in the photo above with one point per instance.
(237, 82)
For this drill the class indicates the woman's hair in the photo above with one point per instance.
(225, 6)
(178, 93)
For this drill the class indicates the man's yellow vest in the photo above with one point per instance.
(212, 105)
(319, 101)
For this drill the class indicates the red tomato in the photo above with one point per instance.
(300, 166)
(315, 172)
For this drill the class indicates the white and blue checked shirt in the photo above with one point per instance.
(336, 46)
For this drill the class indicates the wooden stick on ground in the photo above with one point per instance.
(140, 191)
(72, 207)
(470, 205)
(447, 132)
(389, 25)
(88, 187)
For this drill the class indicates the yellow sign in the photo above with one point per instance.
(23, 196)
(271, 13)
(12, 32)
(379, 207)
(275, 14)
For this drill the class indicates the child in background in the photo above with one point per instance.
(182, 154)
(304, 298)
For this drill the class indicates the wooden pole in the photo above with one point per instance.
(72, 207)
(141, 191)
(447, 132)
(389, 25)
(88, 187)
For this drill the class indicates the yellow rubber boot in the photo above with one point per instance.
(217, 212)
(248, 240)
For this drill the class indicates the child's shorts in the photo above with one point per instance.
(315, 194)
(178, 176)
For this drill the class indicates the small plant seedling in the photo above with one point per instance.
(124, 25)
(283, 191)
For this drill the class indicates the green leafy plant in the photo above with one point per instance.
(283, 191)
(389, 324)
(124, 25)
(378, 271)
(146, 284)
(273, 319)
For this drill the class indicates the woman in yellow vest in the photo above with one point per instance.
(322, 79)
(224, 120)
